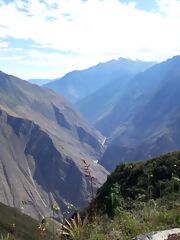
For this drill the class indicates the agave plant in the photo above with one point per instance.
(74, 227)
(8, 237)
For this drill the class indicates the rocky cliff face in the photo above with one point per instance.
(42, 142)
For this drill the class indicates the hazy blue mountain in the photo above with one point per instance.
(42, 143)
(39, 82)
(103, 100)
(78, 84)
(146, 119)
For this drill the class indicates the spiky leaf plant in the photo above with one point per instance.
(7, 237)
(74, 227)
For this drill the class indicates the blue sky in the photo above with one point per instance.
(147, 5)
(47, 38)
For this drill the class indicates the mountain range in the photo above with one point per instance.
(145, 121)
(136, 107)
(76, 85)
(39, 82)
(43, 138)
(101, 102)
(42, 143)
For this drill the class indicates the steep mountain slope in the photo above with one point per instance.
(101, 102)
(145, 121)
(42, 142)
(79, 84)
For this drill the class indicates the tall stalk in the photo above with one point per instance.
(55, 208)
(88, 174)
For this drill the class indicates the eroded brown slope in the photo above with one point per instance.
(42, 142)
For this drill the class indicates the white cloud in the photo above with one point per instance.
(4, 44)
(64, 63)
(13, 58)
(170, 8)
(95, 30)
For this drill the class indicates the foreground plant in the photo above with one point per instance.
(89, 175)
(42, 229)
(74, 227)
(55, 208)
(8, 237)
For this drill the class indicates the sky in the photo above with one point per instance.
(48, 38)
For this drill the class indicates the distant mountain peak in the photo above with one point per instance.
(174, 59)
(124, 59)
(78, 84)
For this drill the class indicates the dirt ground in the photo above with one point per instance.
(174, 237)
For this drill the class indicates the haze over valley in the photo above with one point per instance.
(134, 116)
(89, 90)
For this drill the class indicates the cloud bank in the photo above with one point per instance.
(58, 36)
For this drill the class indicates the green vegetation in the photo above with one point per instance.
(74, 228)
(133, 184)
(17, 224)
(126, 225)
(136, 198)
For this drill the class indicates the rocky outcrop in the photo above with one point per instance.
(172, 234)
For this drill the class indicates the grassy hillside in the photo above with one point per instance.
(134, 183)
(138, 198)
(26, 228)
